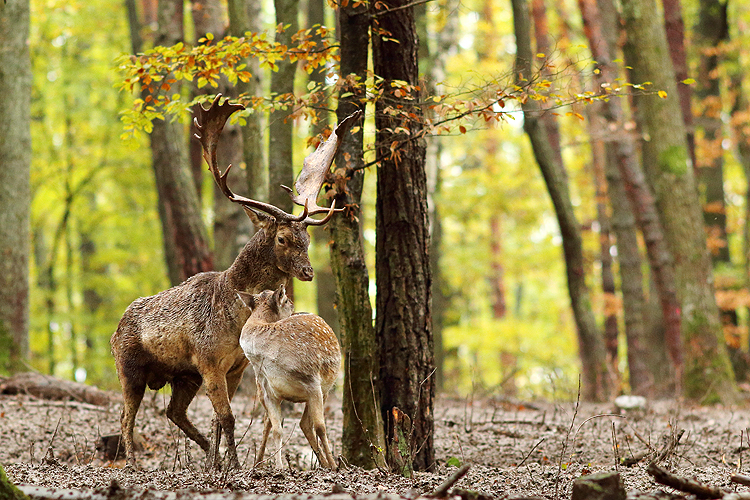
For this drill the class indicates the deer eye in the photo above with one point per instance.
(281, 240)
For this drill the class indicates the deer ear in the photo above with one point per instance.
(247, 298)
(259, 219)
(279, 296)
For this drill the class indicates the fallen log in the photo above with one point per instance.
(52, 388)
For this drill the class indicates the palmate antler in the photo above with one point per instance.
(210, 122)
(316, 166)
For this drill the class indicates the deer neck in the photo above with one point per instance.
(255, 268)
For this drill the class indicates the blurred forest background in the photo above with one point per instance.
(502, 315)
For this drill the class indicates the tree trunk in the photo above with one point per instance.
(598, 160)
(186, 248)
(708, 375)
(231, 225)
(325, 283)
(403, 322)
(590, 343)
(674, 27)
(15, 192)
(245, 15)
(628, 188)
(363, 433)
(280, 160)
(8, 490)
(711, 30)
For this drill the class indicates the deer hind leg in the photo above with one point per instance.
(272, 422)
(184, 389)
(133, 388)
(266, 431)
(313, 426)
(216, 389)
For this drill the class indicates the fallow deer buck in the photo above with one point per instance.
(295, 358)
(189, 335)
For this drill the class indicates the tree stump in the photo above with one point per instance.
(604, 486)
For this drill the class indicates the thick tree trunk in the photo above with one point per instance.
(363, 433)
(708, 374)
(403, 323)
(15, 192)
(711, 30)
(590, 343)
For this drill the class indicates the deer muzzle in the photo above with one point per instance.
(306, 273)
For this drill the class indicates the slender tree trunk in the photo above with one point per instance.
(674, 27)
(708, 374)
(363, 433)
(541, 37)
(611, 329)
(280, 159)
(15, 191)
(231, 225)
(437, 58)
(403, 323)
(590, 343)
(628, 189)
(186, 248)
(246, 15)
(325, 283)
(711, 30)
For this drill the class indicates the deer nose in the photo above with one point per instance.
(306, 274)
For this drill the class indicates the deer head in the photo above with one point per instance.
(289, 232)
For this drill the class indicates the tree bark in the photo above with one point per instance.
(15, 191)
(325, 283)
(403, 322)
(598, 160)
(708, 374)
(590, 343)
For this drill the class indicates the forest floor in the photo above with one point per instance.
(513, 448)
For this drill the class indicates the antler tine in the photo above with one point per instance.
(210, 123)
(315, 222)
(315, 168)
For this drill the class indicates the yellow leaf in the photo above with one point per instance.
(662, 94)
(688, 81)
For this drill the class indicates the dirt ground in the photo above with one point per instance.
(515, 449)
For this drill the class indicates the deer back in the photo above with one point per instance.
(294, 354)
(200, 319)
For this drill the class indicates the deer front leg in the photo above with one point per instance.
(234, 377)
(216, 389)
(273, 422)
